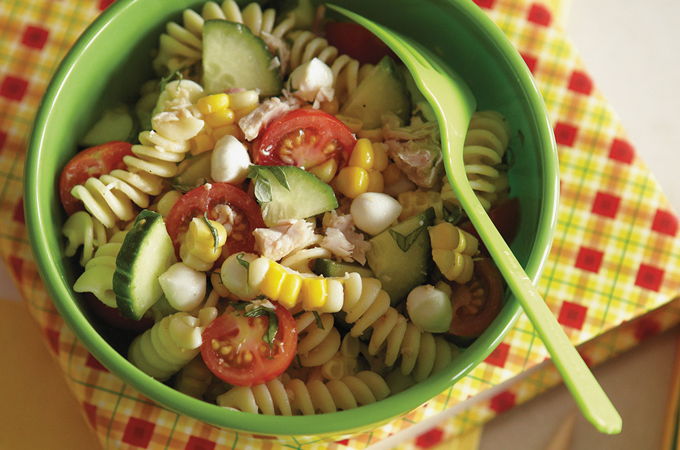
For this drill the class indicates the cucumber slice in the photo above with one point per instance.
(382, 91)
(288, 192)
(330, 268)
(400, 257)
(116, 124)
(194, 172)
(146, 253)
(233, 57)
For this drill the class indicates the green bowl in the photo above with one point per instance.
(110, 62)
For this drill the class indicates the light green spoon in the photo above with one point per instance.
(453, 104)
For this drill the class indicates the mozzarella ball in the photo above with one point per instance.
(184, 287)
(429, 308)
(373, 212)
(229, 161)
(235, 275)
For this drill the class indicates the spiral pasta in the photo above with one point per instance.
(347, 71)
(452, 251)
(168, 346)
(194, 379)
(97, 278)
(485, 144)
(81, 229)
(109, 198)
(316, 345)
(297, 397)
(181, 45)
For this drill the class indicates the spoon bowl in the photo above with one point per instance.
(453, 105)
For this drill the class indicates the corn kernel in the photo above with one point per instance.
(362, 155)
(380, 160)
(273, 280)
(375, 181)
(290, 290)
(219, 133)
(220, 118)
(352, 181)
(314, 293)
(244, 100)
(201, 143)
(325, 171)
(392, 174)
(211, 103)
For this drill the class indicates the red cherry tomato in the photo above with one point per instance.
(92, 162)
(234, 350)
(356, 41)
(204, 199)
(477, 303)
(506, 218)
(304, 138)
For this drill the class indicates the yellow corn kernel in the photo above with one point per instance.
(239, 113)
(325, 171)
(352, 181)
(201, 143)
(167, 201)
(362, 155)
(273, 280)
(314, 293)
(290, 290)
(375, 181)
(380, 159)
(219, 133)
(220, 118)
(392, 174)
(211, 103)
(244, 100)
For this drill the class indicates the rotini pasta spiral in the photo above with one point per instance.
(316, 345)
(392, 334)
(109, 198)
(180, 46)
(485, 144)
(298, 397)
(98, 275)
(347, 72)
(168, 346)
(81, 229)
(194, 379)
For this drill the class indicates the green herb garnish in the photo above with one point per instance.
(317, 318)
(453, 214)
(242, 261)
(280, 175)
(213, 231)
(273, 327)
(405, 242)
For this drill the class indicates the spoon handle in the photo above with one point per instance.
(591, 399)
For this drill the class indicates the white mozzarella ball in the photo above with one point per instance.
(235, 275)
(184, 287)
(373, 212)
(229, 161)
(429, 308)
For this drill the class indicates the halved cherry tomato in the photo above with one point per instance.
(477, 303)
(506, 218)
(304, 138)
(356, 41)
(234, 350)
(92, 162)
(204, 199)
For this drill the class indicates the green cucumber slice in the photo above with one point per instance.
(146, 253)
(233, 57)
(400, 257)
(382, 91)
(289, 192)
(330, 268)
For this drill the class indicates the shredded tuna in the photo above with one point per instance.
(350, 245)
(282, 240)
(278, 47)
(226, 216)
(268, 110)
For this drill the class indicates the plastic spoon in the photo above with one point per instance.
(453, 104)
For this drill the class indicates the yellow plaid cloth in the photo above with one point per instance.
(616, 253)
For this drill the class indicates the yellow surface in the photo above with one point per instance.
(37, 410)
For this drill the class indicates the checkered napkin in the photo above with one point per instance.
(616, 253)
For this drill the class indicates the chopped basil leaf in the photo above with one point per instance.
(405, 242)
(176, 75)
(263, 190)
(453, 214)
(317, 318)
(273, 328)
(280, 175)
(242, 261)
(213, 231)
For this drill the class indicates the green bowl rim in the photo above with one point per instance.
(337, 423)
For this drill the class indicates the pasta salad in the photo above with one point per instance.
(280, 236)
